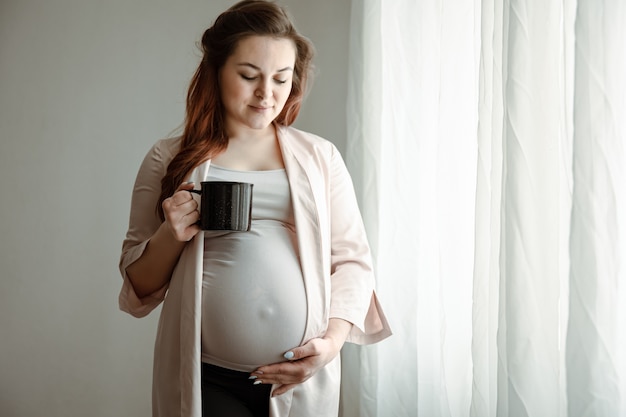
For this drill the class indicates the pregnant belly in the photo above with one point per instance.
(253, 298)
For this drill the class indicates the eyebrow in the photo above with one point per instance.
(247, 64)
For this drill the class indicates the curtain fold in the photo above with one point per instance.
(595, 343)
(411, 147)
(487, 221)
(485, 139)
(361, 379)
(529, 279)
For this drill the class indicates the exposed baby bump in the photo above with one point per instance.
(253, 310)
(252, 332)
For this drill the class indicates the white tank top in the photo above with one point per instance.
(253, 297)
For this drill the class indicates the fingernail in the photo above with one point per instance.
(252, 377)
(257, 382)
(288, 355)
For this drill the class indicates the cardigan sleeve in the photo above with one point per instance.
(142, 224)
(352, 278)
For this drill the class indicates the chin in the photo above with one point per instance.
(260, 124)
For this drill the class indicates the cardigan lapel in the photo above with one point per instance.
(191, 314)
(299, 166)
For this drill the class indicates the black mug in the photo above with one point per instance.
(225, 205)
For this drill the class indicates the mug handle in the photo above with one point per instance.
(199, 192)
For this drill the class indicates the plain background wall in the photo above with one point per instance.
(86, 87)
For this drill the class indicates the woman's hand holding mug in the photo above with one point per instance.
(181, 213)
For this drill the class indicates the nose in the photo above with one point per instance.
(264, 90)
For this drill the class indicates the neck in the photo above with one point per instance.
(251, 135)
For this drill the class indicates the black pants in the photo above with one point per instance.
(228, 393)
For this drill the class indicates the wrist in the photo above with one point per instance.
(337, 332)
(166, 234)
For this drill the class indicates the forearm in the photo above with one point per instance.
(155, 266)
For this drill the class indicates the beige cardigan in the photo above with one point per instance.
(336, 265)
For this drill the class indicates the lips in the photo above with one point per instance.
(261, 108)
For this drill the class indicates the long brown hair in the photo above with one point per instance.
(204, 134)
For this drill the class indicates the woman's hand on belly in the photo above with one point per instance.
(306, 360)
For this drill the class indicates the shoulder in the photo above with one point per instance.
(161, 153)
(166, 148)
(299, 140)
(159, 157)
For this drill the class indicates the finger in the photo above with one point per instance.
(181, 197)
(176, 213)
(281, 389)
(281, 368)
(193, 217)
(268, 374)
(286, 373)
(186, 231)
(306, 350)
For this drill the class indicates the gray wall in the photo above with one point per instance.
(86, 87)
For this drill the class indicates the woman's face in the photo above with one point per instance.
(255, 82)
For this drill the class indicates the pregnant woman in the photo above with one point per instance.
(252, 323)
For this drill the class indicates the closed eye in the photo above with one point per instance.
(249, 78)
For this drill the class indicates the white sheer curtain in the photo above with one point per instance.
(486, 145)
